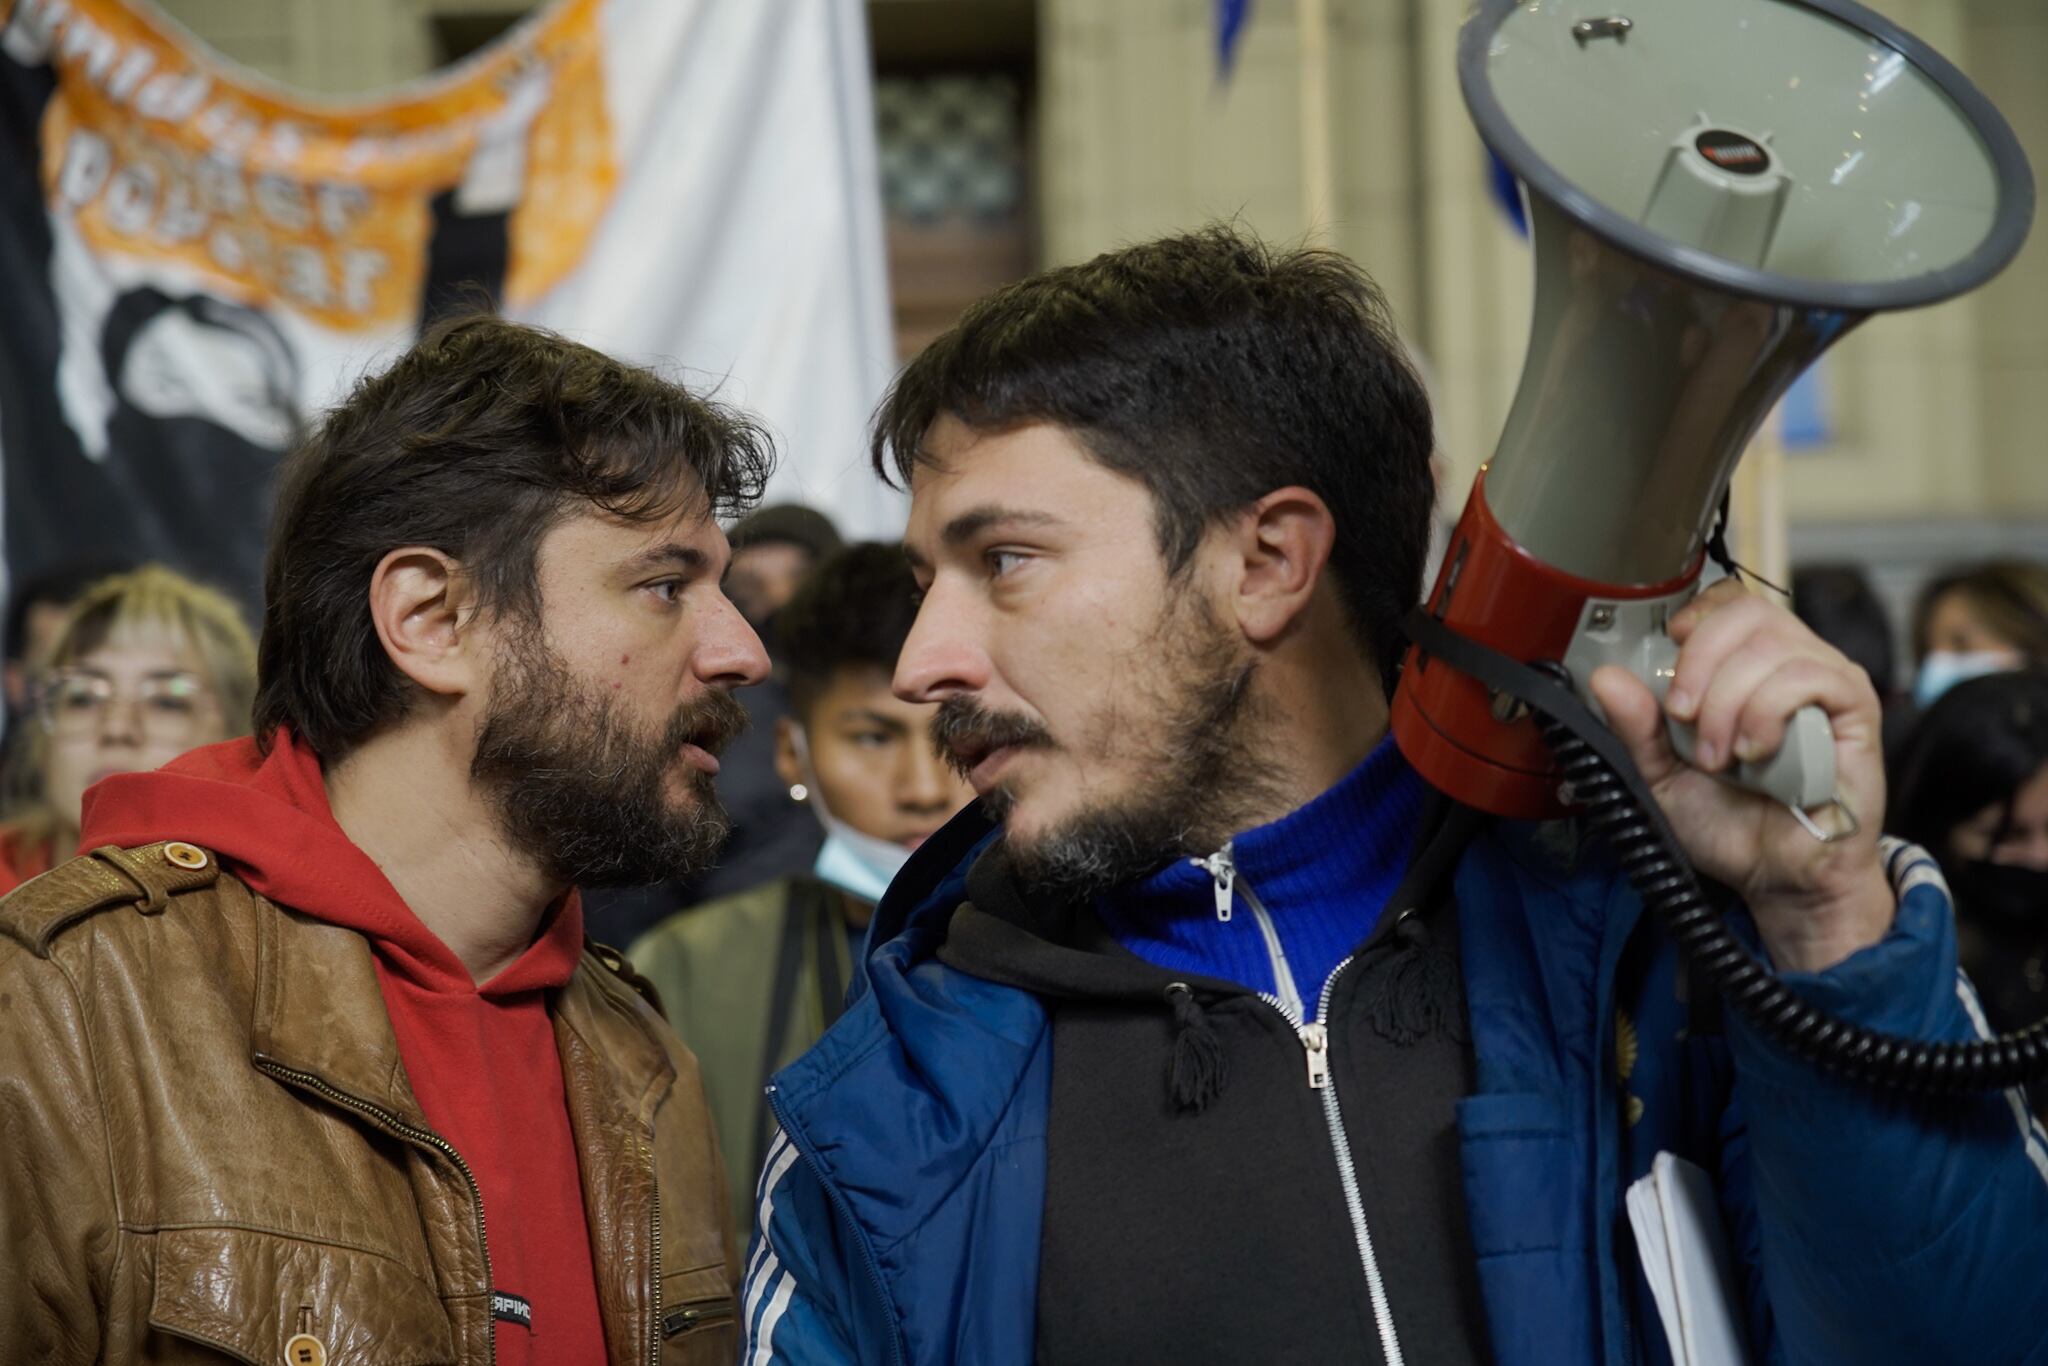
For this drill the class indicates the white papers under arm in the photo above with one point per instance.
(1684, 1250)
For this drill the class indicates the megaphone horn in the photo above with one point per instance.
(1717, 193)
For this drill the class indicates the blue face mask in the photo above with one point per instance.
(850, 860)
(857, 863)
(1943, 669)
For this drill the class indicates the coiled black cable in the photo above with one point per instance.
(1602, 782)
(1669, 888)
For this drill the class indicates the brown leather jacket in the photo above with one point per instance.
(208, 1147)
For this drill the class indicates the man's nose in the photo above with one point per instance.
(729, 653)
(941, 658)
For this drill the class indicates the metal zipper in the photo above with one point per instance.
(695, 1314)
(425, 1138)
(654, 1325)
(1315, 1042)
(1283, 975)
(1221, 867)
(1222, 870)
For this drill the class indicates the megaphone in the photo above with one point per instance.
(1717, 192)
(1718, 189)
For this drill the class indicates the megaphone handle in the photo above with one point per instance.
(1800, 774)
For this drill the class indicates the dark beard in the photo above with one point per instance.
(1194, 787)
(575, 785)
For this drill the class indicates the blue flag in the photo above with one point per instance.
(1231, 16)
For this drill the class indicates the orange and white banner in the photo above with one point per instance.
(196, 261)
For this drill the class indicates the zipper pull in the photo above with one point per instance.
(1315, 1041)
(1223, 870)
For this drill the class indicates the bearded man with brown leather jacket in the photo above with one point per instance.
(308, 1059)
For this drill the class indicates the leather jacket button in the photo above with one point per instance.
(304, 1349)
(193, 857)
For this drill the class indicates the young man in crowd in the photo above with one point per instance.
(1180, 1051)
(309, 1059)
(751, 980)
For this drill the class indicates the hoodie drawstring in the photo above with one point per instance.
(1194, 1071)
(1413, 991)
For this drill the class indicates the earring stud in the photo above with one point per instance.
(798, 792)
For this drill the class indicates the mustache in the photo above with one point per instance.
(964, 731)
(710, 722)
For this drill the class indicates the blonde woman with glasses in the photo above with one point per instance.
(147, 665)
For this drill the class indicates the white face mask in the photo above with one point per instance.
(1943, 669)
(850, 859)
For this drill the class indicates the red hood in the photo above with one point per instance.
(268, 816)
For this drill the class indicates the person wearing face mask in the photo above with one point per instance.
(751, 980)
(1973, 790)
(1983, 619)
(145, 666)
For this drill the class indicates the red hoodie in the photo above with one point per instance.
(482, 1060)
(20, 861)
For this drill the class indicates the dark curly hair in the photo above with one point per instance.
(1212, 369)
(476, 442)
(856, 608)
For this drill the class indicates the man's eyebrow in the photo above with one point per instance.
(977, 520)
(670, 554)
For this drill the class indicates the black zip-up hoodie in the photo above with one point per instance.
(1206, 1200)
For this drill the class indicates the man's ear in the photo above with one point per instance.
(423, 608)
(1281, 546)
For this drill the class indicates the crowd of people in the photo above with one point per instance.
(1967, 749)
(1049, 1076)
(837, 780)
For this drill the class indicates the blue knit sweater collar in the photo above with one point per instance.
(1322, 872)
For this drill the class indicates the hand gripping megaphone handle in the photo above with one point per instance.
(1603, 786)
(1801, 774)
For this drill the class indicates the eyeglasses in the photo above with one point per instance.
(168, 707)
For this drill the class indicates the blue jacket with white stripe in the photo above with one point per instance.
(899, 1212)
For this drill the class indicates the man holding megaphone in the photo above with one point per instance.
(1216, 1035)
